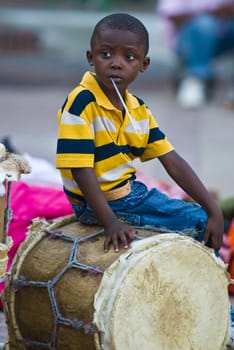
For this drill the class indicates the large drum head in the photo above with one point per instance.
(167, 292)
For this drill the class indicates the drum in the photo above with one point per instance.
(63, 292)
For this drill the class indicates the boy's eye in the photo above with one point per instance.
(130, 57)
(106, 54)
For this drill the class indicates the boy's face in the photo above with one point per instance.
(117, 54)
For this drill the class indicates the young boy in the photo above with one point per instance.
(101, 133)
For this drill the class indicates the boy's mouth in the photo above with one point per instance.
(117, 79)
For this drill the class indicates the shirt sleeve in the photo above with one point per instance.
(75, 143)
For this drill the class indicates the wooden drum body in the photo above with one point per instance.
(65, 293)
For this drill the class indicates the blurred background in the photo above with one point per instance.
(43, 56)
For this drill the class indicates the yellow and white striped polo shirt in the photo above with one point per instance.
(93, 133)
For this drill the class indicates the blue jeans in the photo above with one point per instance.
(202, 39)
(151, 208)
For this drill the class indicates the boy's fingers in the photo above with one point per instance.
(116, 245)
(124, 241)
(216, 240)
(123, 238)
(131, 235)
(205, 237)
(106, 244)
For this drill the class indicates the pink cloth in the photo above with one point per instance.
(180, 7)
(167, 8)
(226, 251)
(29, 202)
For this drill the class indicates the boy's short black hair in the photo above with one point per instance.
(123, 21)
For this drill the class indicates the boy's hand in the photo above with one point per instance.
(118, 233)
(214, 231)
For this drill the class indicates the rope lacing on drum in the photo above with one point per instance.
(73, 262)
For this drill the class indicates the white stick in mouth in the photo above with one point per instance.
(124, 105)
(121, 98)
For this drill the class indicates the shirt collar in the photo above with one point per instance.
(89, 82)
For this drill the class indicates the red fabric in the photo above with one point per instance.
(30, 202)
(226, 251)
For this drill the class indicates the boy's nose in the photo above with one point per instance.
(116, 62)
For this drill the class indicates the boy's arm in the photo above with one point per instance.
(115, 231)
(185, 177)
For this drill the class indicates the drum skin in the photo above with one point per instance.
(63, 292)
(40, 258)
(168, 292)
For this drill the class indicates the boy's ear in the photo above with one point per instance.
(145, 64)
(89, 56)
